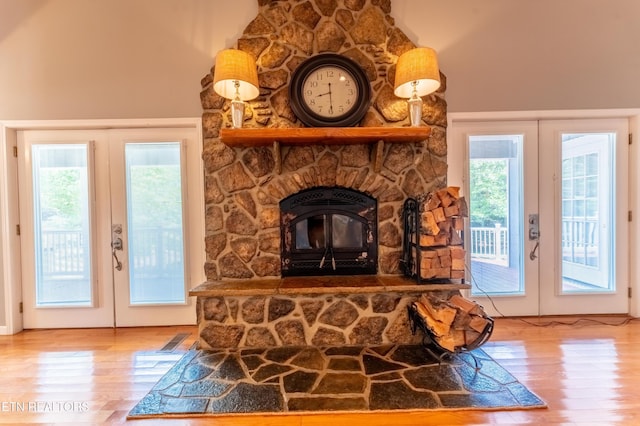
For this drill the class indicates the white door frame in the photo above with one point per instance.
(456, 163)
(10, 262)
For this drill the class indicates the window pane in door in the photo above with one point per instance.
(61, 225)
(587, 212)
(154, 223)
(495, 212)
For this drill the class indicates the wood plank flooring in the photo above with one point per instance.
(587, 372)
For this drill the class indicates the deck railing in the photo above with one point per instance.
(490, 244)
(65, 254)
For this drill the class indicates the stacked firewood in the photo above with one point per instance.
(455, 323)
(442, 216)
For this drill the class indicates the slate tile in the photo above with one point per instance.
(339, 383)
(398, 395)
(249, 398)
(375, 365)
(327, 404)
(299, 381)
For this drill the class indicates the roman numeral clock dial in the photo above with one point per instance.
(329, 90)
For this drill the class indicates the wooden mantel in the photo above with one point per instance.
(253, 137)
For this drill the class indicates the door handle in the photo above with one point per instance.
(116, 244)
(534, 227)
(533, 255)
(534, 234)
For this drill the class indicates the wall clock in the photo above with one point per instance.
(329, 90)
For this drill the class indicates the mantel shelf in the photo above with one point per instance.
(250, 137)
(274, 137)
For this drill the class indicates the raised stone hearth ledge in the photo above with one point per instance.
(319, 285)
(309, 311)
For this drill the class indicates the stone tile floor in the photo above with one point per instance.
(310, 379)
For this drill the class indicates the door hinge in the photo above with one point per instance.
(21, 307)
(15, 151)
(630, 292)
(630, 138)
(630, 216)
(18, 229)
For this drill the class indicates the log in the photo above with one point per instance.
(437, 327)
(462, 303)
(438, 214)
(454, 323)
(429, 223)
(432, 202)
(451, 211)
(478, 323)
(441, 312)
(457, 264)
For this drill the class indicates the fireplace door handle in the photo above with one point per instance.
(333, 260)
(324, 256)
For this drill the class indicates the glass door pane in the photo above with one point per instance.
(587, 212)
(61, 217)
(583, 216)
(500, 183)
(495, 214)
(155, 223)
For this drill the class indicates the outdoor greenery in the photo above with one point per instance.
(156, 196)
(61, 197)
(489, 192)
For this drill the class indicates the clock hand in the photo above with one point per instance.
(330, 101)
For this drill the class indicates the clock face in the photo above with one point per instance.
(329, 90)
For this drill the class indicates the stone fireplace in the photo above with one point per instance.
(251, 298)
(328, 231)
(244, 186)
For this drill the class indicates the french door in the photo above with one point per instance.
(547, 230)
(105, 227)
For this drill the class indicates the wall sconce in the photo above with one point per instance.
(417, 74)
(236, 78)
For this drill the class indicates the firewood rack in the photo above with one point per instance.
(430, 343)
(412, 251)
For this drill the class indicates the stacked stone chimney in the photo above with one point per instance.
(243, 191)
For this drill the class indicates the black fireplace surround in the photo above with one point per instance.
(329, 231)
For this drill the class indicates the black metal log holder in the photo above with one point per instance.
(430, 343)
(411, 248)
(410, 228)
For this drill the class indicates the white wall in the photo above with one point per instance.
(79, 59)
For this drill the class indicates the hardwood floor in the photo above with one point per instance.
(587, 372)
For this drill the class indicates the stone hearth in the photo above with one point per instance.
(338, 379)
(309, 311)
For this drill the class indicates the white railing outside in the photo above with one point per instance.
(490, 244)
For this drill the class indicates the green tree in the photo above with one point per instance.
(61, 190)
(157, 196)
(489, 192)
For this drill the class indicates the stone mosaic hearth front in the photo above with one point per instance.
(343, 378)
(268, 321)
(311, 311)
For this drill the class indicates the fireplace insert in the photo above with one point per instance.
(329, 231)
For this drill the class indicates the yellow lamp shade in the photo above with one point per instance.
(236, 68)
(417, 68)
